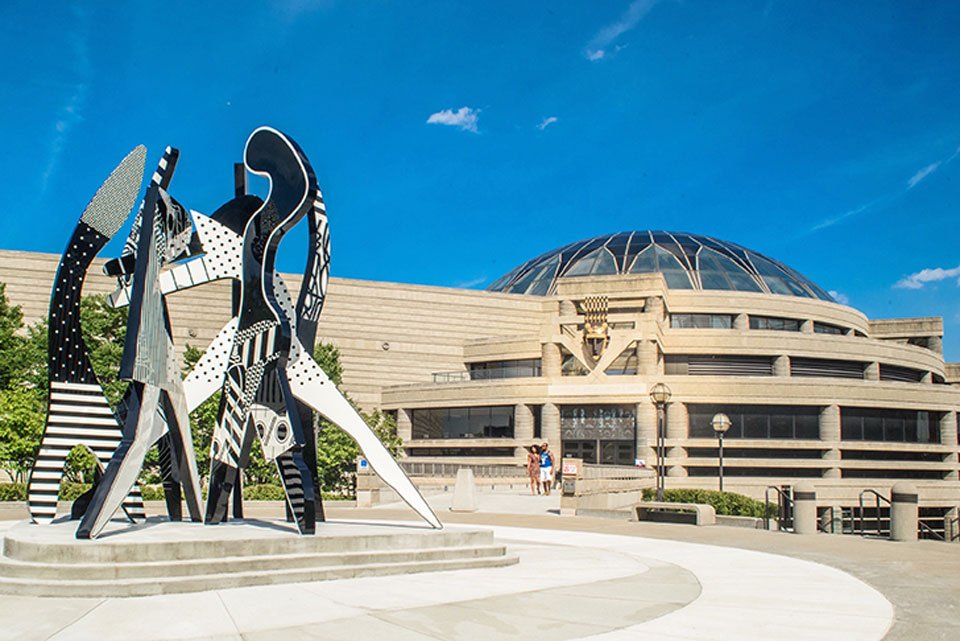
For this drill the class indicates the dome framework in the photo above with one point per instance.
(687, 261)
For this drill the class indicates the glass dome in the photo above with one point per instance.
(687, 261)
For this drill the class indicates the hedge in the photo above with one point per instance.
(71, 491)
(13, 492)
(726, 503)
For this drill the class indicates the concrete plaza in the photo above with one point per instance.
(577, 578)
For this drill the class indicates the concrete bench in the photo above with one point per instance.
(663, 512)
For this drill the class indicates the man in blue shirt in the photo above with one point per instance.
(546, 468)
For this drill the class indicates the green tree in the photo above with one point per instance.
(21, 426)
(336, 451)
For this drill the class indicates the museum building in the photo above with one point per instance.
(567, 347)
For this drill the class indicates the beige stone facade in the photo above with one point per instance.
(417, 351)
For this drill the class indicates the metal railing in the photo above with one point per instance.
(784, 508)
(921, 526)
(480, 470)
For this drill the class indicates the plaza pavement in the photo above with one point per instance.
(577, 578)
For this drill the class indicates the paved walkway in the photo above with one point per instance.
(577, 578)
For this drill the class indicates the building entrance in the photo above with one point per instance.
(605, 434)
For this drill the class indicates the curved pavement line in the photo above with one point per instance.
(745, 594)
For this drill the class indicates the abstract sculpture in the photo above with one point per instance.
(261, 360)
(78, 413)
(155, 405)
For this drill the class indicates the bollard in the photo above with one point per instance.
(464, 492)
(805, 508)
(904, 510)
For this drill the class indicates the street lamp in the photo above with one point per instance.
(720, 424)
(660, 395)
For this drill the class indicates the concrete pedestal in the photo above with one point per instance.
(904, 511)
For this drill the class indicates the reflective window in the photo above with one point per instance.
(463, 422)
(540, 285)
(597, 263)
(569, 365)
(711, 275)
(672, 270)
(756, 421)
(701, 321)
(878, 424)
(827, 328)
(626, 363)
(645, 262)
(521, 368)
(775, 323)
(741, 280)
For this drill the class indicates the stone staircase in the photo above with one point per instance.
(186, 557)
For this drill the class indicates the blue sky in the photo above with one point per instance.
(455, 140)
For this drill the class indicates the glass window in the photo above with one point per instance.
(891, 425)
(775, 323)
(584, 266)
(672, 270)
(541, 284)
(645, 262)
(701, 321)
(756, 421)
(827, 328)
(463, 422)
(741, 279)
(570, 365)
(521, 368)
(711, 275)
(626, 363)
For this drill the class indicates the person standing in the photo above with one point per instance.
(546, 468)
(533, 469)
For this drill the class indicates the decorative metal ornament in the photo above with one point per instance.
(78, 413)
(596, 330)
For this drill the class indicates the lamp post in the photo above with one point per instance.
(720, 424)
(660, 395)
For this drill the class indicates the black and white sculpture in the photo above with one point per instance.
(155, 404)
(261, 360)
(78, 412)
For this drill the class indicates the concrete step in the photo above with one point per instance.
(180, 584)
(12, 568)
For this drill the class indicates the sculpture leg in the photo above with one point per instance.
(142, 429)
(178, 422)
(170, 471)
(312, 386)
(223, 476)
(299, 489)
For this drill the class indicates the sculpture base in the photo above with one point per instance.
(160, 557)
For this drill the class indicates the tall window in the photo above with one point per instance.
(463, 422)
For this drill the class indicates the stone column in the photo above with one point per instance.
(550, 426)
(781, 365)
(647, 358)
(872, 371)
(805, 508)
(904, 511)
(647, 433)
(550, 360)
(677, 429)
(567, 308)
(741, 322)
(654, 306)
(935, 343)
(830, 436)
(948, 437)
(806, 326)
(523, 424)
(404, 426)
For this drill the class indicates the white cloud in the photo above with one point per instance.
(843, 299)
(547, 122)
(924, 276)
(923, 173)
(637, 10)
(469, 284)
(464, 117)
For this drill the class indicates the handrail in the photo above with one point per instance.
(877, 498)
(920, 524)
(781, 498)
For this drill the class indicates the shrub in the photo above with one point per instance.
(726, 503)
(152, 492)
(263, 492)
(13, 492)
(72, 491)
